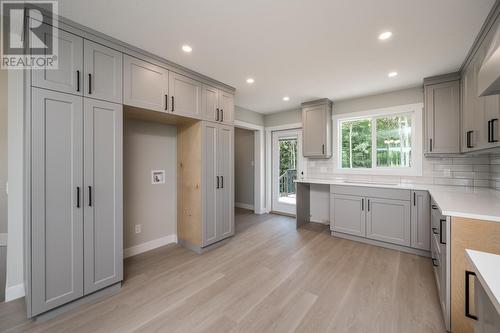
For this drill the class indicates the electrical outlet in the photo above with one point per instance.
(137, 228)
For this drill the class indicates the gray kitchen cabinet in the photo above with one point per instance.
(347, 214)
(57, 199)
(442, 115)
(102, 195)
(420, 220)
(210, 103)
(226, 107)
(185, 95)
(317, 128)
(210, 179)
(69, 74)
(102, 72)
(488, 318)
(388, 220)
(225, 197)
(145, 85)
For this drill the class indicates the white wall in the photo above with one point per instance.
(3, 181)
(149, 146)
(244, 154)
(248, 116)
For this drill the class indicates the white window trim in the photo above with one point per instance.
(417, 131)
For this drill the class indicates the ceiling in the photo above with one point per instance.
(304, 49)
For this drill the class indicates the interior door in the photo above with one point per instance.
(69, 74)
(211, 182)
(103, 72)
(103, 202)
(57, 199)
(286, 165)
(225, 171)
(185, 95)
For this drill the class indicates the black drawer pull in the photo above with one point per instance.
(434, 207)
(467, 295)
(441, 231)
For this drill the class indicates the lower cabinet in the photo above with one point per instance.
(76, 181)
(205, 184)
(388, 220)
(347, 214)
(420, 220)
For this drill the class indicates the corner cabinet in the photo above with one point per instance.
(442, 114)
(317, 129)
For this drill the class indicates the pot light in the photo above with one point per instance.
(392, 74)
(286, 98)
(187, 48)
(250, 80)
(385, 35)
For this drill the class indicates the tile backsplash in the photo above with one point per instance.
(459, 170)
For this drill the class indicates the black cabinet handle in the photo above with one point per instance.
(441, 231)
(414, 198)
(434, 262)
(434, 207)
(221, 114)
(90, 196)
(430, 145)
(469, 139)
(435, 231)
(489, 130)
(78, 197)
(90, 84)
(166, 102)
(78, 81)
(368, 204)
(323, 149)
(362, 204)
(217, 115)
(217, 177)
(222, 181)
(467, 295)
(173, 105)
(493, 130)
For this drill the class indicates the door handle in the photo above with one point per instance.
(467, 295)
(469, 139)
(323, 148)
(217, 177)
(362, 204)
(414, 198)
(222, 114)
(166, 102)
(78, 197)
(90, 196)
(78, 81)
(173, 105)
(430, 145)
(217, 115)
(222, 181)
(441, 231)
(90, 84)
(493, 130)
(368, 206)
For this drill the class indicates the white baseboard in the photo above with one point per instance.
(14, 292)
(319, 221)
(243, 205)
(148, 246)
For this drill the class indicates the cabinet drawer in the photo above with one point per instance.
(374, 192)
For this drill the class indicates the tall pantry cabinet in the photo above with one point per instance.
(75, 175)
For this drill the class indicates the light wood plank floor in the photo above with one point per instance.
(268, 278)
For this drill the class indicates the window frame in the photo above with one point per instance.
(416, 141)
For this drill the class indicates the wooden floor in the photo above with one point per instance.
(269, 278)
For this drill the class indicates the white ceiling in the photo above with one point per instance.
(304, 49)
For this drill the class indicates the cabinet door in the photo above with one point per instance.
(347, 214)
(185, 95)
(469, 116)
(225, 195)
(226, 106)
(57, 199)
(103, 72)
(442, 112)
(69, 74)
(144, 85)
(315, 122)
(103, 199)
(210, 103)
(210, 181)
(420, 220)
(388, 221)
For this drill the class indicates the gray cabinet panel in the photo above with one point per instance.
(186, 95)
(226, 106)
(57, 216)
(388, 221)
(316, 129)
(420, 220)
(225, 171)
(210, 191)
(103, 72)
(70, 63)
(210, 103)
(347, 214)
(144, 85)
(103, 202)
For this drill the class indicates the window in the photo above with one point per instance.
(383, 141)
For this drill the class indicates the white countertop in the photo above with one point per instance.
(467, 202)
(487, 269)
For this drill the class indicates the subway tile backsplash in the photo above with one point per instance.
(478, 171)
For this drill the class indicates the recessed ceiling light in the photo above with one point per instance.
(385, 35)
(250, 80)
(187, 48)
(286, 98)
(392, 74)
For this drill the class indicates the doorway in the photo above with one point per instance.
(286, 163)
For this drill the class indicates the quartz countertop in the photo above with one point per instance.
(456, 201)
(487, 269)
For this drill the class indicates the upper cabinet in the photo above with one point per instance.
(103, 72)
(317, 128)
(442, 114)
(185, 95)
(68, 76)
(217, 105)
(144, 85)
